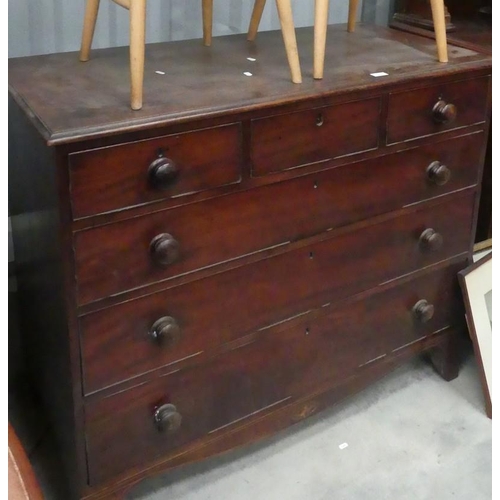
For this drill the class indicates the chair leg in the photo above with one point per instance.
(320, 29)
(137, 49)
(258, 9)
(288, 29)
(91, 10)
(438, 16)
(208, 11)
(353, 13)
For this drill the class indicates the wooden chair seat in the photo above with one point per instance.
(137, 9)
(23, 484)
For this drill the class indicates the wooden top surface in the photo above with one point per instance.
(69, 100)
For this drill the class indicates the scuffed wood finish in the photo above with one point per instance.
(188, 288)
(102, 109)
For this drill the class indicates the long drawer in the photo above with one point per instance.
(134, 253)
(285, 362)
(120, 342)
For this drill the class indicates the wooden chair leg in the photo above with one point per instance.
(353, 13)
(137, 49)
(91, 10)
(208, 12)
(438, 17)
(320, 29)
(288, 29)
(258, 9)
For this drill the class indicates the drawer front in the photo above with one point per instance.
(436, 109)
(119, 342)
(295, 139)
(117, 257)
(285, 362)
(127, 175)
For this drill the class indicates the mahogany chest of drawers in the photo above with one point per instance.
(242, 252)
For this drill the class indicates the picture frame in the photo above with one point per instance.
(476, 284)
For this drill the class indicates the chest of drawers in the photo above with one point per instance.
(242, 252)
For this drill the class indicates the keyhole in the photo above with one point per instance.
(319, 120)
(311, 255)
(315, 184)
(307, 331)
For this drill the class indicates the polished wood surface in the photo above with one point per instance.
(276, 367)
(181, 267)
(112, 178)
(114, 258)
(23, 483)
(232, 304)
(295, 139)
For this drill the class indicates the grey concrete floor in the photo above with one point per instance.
(410, 436)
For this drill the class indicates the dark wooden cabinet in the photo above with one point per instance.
(242, 252)
(469, 26)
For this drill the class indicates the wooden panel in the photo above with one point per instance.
(115, 341)
(93, 98)
(117, 177)
(411, 112)
(116, 257)
(288, 361)
(295, 139)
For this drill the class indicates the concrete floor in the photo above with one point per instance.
(410, 436)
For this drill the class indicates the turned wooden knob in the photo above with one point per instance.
(438, 173)
(443, 112)
(167, 419)
(164, 249)
(431, 239)
(162, 173)
(166, 331)
(423, 311)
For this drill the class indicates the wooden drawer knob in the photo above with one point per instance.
(443, 112)
(162, 173)
(423, 311)
(167, 419)
(438, 173)
(165, 331)
(164, 249)
(431, 239)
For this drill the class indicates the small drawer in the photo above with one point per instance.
(121, 256)
(118, 343)
(431, 110)
(127, 175)
(160, 418)
(295, 139)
